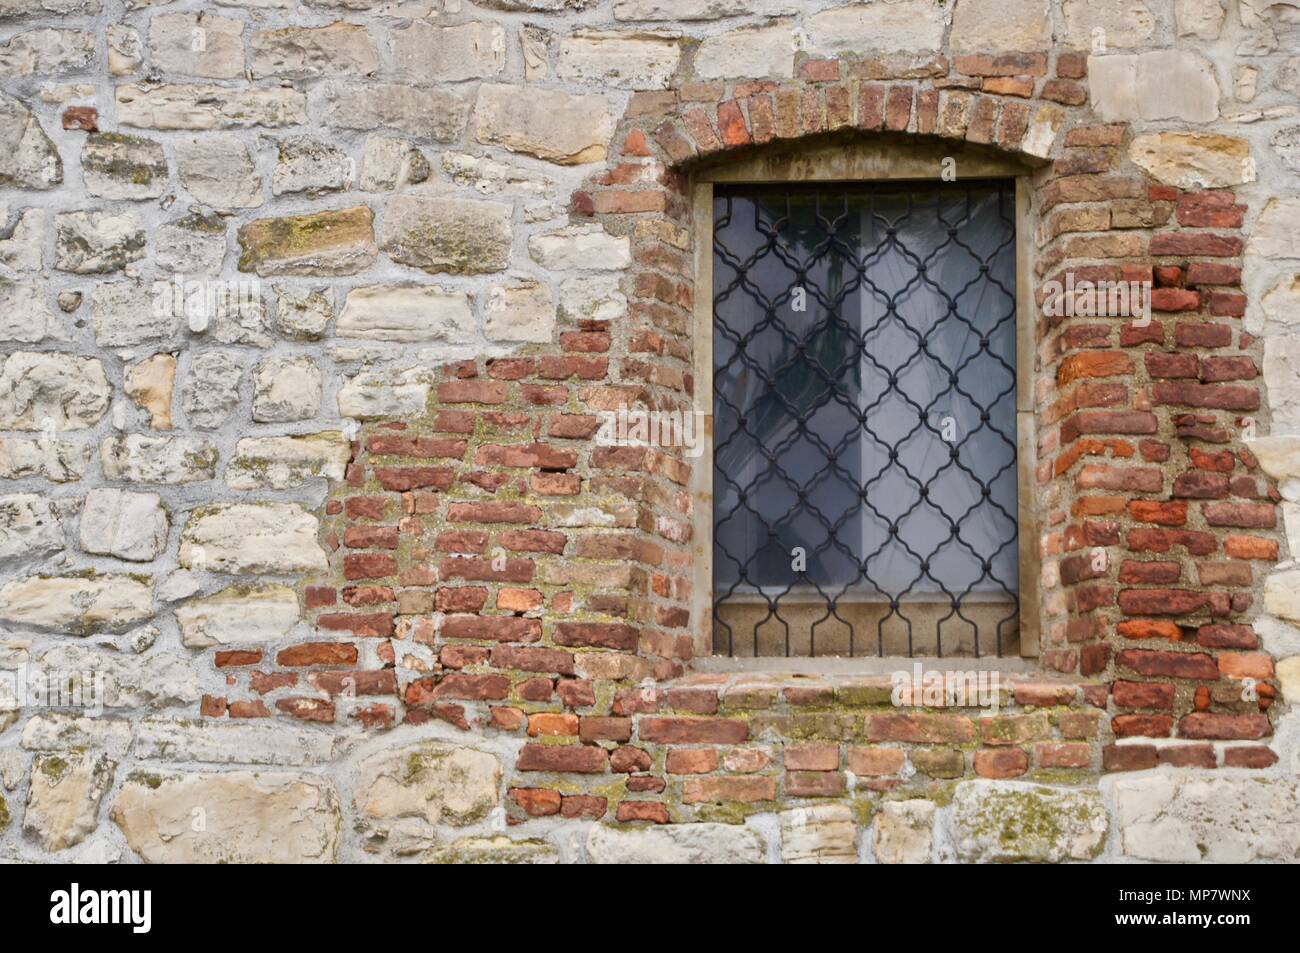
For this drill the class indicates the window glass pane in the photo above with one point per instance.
(864, 353)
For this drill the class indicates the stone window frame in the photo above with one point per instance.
(875, 159)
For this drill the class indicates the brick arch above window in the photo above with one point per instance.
(1117, 445)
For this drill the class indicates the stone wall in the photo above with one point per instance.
(358, 581)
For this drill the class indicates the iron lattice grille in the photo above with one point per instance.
(865, 484)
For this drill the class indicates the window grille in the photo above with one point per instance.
(865, 485)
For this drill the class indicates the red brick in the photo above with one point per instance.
(583, 805)
(574, 759)
(307, 709)
(1213, 726)
(746, 789)
(920, 729)
(536, 802)
(368, 566)
(1249, 757)
(692, 761)
(472, 687)
(1001, 763)
(552, 723)
(1146, 726)
(498, 628)
(815, 784)
(318, 653)
(610, 635)
(1187, 756)
(1169, 664)
(812, 757)
(81, 118)
(1143, 695)
(600, 728)
(1058, 755)
(404, 479)
(1128, 757)
(692, 730)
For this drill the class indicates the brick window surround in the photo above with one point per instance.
(539, 585)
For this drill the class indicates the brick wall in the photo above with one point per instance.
(353, 553)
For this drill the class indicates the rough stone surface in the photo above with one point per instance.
(407, 313)
(115, 166)
(28, 159)
(249, 742)
(675, 844)
(63, 797)
(212, 389)
(52, 391)
(25, 317)
(238, 614)
(286, 389)
(131, 526)
(403, 792)
(310, 166)
(617, 59)
(279, 463)
(302, 314)
(389, 164)
(22, 250)
(154, 681)
(557, 126)
(29, 527)
(94, 242)
(1112, 24)
(1003, 821)
(339, 49)
(252, 538)
(468, 51)
(248, 818)
(144, 459)
(67, 731)
(584, 247)
(76, 605)
(824, 834)
(1275, 235)
(1200, 18)
(150, 384)
(1171, 819)
(448, 235)
(197, 44)
(439, 115)
(494, 850)
(127, 313)
(47, 51)
(218, 171)
(903, 832)
(197, 106)
(1166, 84)
(524, 312)
(749, 51)
(1191, 161)
(322, 243)
(1018, 25)
(909, 25)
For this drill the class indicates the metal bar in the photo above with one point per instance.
(864, 386)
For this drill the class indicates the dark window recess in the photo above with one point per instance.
(864, 481)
